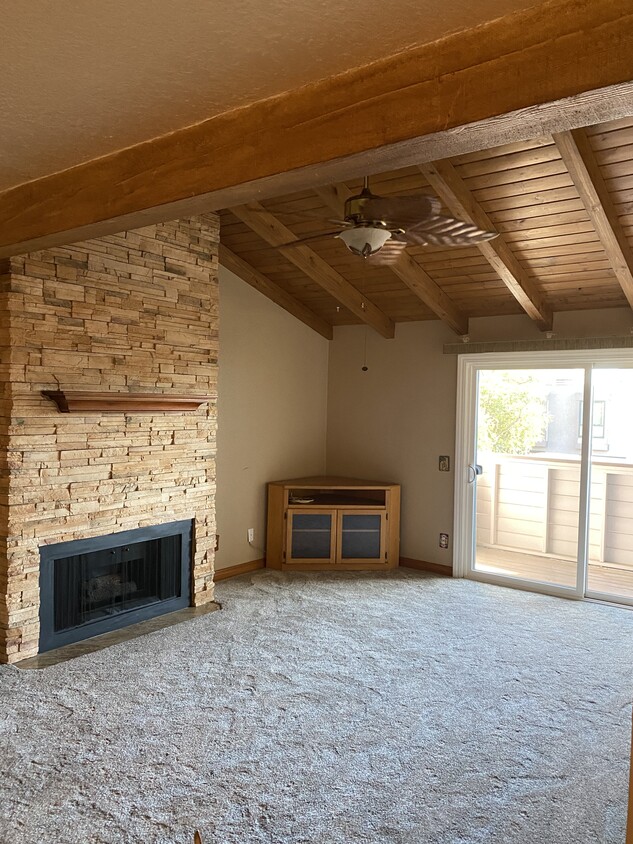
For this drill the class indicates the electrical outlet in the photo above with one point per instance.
(251, 535)
(443, 540)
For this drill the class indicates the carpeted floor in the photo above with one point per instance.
(332, 709)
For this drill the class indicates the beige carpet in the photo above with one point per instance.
(325, 709)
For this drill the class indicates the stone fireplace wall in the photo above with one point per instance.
(135, 312)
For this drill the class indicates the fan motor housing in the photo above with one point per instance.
(355, 210)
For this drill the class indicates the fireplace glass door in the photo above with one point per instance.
(94, 586)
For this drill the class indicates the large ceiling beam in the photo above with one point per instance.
(407, 270)
(540, 68)
(452, 190)
(420, 283)
(274, 292)
(578, 157)
(274, 232)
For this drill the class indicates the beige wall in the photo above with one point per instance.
(271, 411)
(596, 323)
(278, 397)
(393, 421)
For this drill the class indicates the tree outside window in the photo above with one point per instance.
(513, 413)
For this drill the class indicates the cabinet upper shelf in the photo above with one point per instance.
(333, 482)
(334, 498)
(334, 491)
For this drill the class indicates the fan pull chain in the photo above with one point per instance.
(364, 367)
(363, 305)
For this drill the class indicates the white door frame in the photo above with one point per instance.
(468, 368)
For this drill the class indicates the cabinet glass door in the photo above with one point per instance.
(361, 536)
(310, 536)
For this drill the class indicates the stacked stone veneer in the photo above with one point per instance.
(135, 312)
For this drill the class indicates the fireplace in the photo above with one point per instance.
(93, 586)
(133, 312)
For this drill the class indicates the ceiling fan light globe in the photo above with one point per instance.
(365, 240)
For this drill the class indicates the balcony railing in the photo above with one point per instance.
(531, 504)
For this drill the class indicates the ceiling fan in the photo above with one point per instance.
(383, 226)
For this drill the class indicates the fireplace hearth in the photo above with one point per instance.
(93, 586)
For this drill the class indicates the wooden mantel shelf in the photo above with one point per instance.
(87, 402)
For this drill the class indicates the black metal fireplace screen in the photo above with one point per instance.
(92, 586)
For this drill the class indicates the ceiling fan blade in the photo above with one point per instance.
(388, 254)
(309, 239)
(447, 231)
(402, 211)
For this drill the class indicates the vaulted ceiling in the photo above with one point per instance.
(563, 207)
(80, 80)
(468, 115)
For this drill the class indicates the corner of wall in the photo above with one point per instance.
(272, 411)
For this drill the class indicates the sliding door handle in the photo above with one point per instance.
(473, 471)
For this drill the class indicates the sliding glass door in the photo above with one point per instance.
(610, 568)
(544, 494)
(527, 493)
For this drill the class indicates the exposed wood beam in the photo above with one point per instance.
(274, 292)
(577, 154)
(559, 64)
(407, 270)
(420, 283)
(273, 231)
(334, 196)
(452, 190)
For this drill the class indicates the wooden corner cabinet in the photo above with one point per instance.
(333, 523)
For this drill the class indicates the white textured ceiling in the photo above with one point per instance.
(80, 79)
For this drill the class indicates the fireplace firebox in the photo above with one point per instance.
(93, 586)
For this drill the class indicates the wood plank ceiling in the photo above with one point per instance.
(563, 207)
